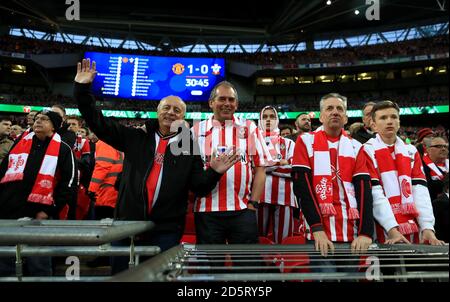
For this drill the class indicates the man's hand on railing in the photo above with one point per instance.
(394, 236)
(41, 216)
(361, 244)
(322, 243)
(429, 237)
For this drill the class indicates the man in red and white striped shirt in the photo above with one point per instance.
(275, 215)
(331, 177)
(227, 214)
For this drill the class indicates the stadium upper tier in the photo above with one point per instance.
(424, 46)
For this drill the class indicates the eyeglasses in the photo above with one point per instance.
(439, 146)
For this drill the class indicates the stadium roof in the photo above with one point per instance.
(283, 21)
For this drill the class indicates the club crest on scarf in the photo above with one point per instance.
(16, 163)
(45, 183)
(323, 188)
(406, 188)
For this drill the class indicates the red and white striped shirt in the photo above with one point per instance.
(339, 228)
(233, 190)
(278, 188)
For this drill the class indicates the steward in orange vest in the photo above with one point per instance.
(108, 166)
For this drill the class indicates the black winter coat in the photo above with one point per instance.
(181, 173)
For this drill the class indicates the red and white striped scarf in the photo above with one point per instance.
(322, 176)
(42, 191)
(437, 172)
(395, 177)
(79, 143)
(444, 166)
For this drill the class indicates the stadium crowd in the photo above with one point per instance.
(238, 180)
(415, 47)
(438, 96)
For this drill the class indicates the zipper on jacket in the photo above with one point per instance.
(144, 187)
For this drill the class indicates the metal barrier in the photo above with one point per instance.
(399, 263)
(69, 232)
(70, 238)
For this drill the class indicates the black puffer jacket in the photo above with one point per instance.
(181, 173)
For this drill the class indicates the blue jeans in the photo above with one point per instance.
(165, 241)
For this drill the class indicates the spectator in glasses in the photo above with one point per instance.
(435, 165)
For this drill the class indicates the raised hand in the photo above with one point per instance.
(85, 73)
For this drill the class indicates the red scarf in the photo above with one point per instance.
(437, 172)
(395, 177)
(155, 173)
(44, 185)
(322, 177)
(78, 148)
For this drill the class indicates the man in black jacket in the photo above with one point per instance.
(435, 164)
(441, 213)
(302, 125)
(155, 180)
(364, 133)
(37, 178)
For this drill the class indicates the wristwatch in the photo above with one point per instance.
(254, 203)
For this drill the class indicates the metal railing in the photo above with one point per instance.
(399, 263)
(69, 232)
(24, 238)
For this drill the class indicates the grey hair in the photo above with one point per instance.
(428, 140)
(333, 95)
(213, 94)
(164, 98)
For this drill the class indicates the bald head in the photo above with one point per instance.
(172, 100)
(437, 149)
(170, 109)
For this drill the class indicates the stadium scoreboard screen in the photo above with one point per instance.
(152, 78)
